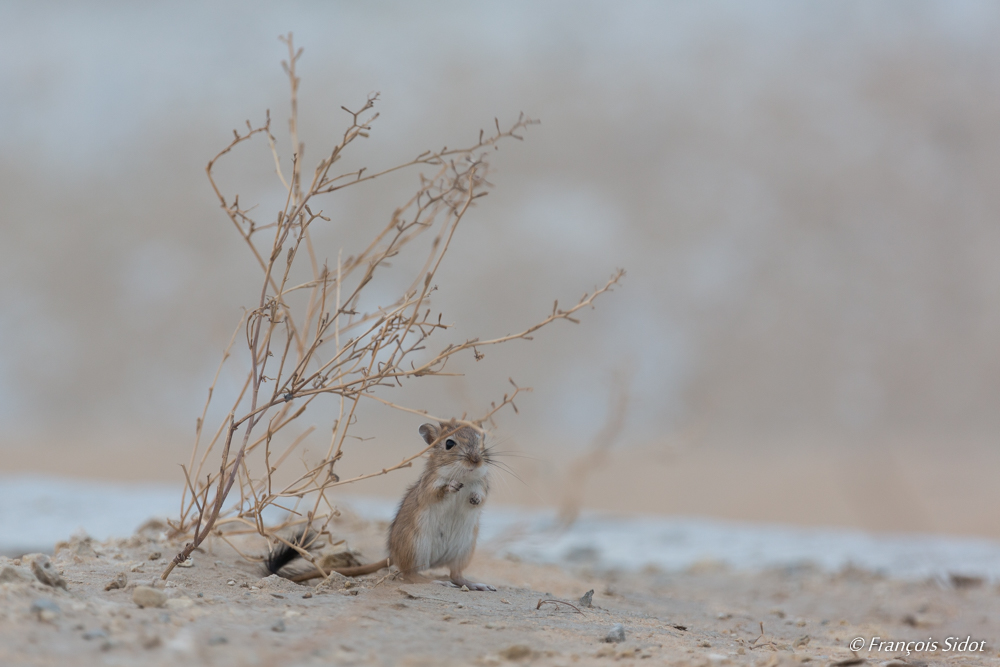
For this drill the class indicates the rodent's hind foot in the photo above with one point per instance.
(481, 587)
(458, 583)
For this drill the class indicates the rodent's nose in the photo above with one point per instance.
(475, 459)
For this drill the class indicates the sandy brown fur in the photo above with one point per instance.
(427, 531)
(441, 477)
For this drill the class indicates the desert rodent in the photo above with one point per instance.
(437, 522)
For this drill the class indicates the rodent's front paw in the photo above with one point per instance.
(454, 487)
(475, 498)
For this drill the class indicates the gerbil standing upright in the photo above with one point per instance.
(437, 522)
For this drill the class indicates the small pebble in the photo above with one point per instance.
(616, 635)
(186, 563)
(155, 555)
(215, 641)
(516, 652)
(307, 595)
(588, 599)
(47, 610)
(231, 582)
(120, 581)
(46, 572)
(145, 596)
(279, 626)
(44, 603)
(95, 634)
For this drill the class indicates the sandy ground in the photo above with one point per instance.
(223, 611)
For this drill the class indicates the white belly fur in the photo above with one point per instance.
(447, 528)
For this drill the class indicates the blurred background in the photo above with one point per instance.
(804, 196)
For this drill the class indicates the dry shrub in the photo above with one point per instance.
(309, 339)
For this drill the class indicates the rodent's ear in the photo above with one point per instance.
(429, 432)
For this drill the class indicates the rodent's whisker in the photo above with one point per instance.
(492, 450)
(516, 455)
(500, 464)
(507, 469)
(503, 480)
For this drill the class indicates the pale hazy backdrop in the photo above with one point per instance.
(806, 197)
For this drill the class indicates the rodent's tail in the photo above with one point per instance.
(283, 554)
(356, 571)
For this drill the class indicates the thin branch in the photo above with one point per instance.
(306, 338)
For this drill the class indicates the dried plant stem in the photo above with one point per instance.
(307, 337)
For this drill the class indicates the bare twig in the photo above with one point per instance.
(306, 338)
(568, 604)
(596, 456)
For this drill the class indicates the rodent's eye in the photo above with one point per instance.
(449, 443)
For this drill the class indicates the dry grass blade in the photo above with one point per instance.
(557, 602)
(596, 456)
